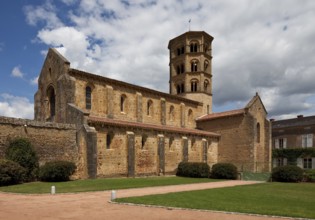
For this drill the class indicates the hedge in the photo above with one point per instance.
(224, 171)
(21, 151)
(288, 173)
(11, 173)
(193, 169)
(56, 171)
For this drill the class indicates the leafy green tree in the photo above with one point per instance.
(21, 151)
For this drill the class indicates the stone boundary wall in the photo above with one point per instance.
(52, 141)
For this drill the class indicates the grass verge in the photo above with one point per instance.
(280, 199)
(101, 184)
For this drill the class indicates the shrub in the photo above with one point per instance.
(224, 171)
(21, 151)
(192, 169)
(287, 173)
(56, 171)
(11, 173)
(309, 175)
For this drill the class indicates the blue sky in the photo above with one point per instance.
(263, 46)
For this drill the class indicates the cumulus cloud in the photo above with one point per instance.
(261, 46)
(16, 72)
(44, 14)
(34, 81)
(14, 106)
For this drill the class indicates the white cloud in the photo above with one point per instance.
(45, 14)
(263, 46)
(14, 106)
(69, 2)
(34, 81)
(16, 72)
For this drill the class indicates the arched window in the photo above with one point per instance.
(193, 47)
(88, 97)
(178, 70)
(193, 142)
(150, 108)
(190, 116)
(143, 141)
(258, 132)
(172, 113)
(182, 89)
(52, 102)
(171, 142)
(206, 48)
(205, 85)
(178, 51)
(194, 66)
(183, 49)
(194, 85)
(182, 68)
(206, 64)
(109, 138)
(123, 103)
(178, 89)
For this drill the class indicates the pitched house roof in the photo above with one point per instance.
(125, 124)
(294, 122)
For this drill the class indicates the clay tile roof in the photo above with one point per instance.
(120, 123)
(221, 115)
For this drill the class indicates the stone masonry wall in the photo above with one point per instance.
(147, 159)
(236, 144)
(106, 103)
(52, 141)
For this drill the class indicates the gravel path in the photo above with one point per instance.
(96, 205)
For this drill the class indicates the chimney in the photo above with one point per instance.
(300, 116)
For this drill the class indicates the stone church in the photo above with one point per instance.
(121, 129)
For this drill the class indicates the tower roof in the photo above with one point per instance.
(190, 33)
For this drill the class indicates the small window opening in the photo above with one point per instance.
(88, 97)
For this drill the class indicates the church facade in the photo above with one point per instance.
(128, 130)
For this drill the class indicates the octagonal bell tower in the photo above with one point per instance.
(191, 67)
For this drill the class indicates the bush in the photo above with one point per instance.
(11, 173)
(309, 175)
(191, 169)
(56, 171)
(287, 173)
(224, 171)
(21, 151)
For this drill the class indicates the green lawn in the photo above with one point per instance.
(101, 184)
(280, 199)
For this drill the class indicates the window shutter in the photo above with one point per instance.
(285, 161)
(277, 143)
(274, 162)
(310, 140)
(299, 162)
(284, 143)
(313, 163)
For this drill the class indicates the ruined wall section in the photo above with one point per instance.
(55, 89)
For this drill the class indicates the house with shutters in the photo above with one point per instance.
(294, 135)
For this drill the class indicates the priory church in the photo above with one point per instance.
(113, 128)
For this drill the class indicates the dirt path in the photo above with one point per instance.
(95, 205)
